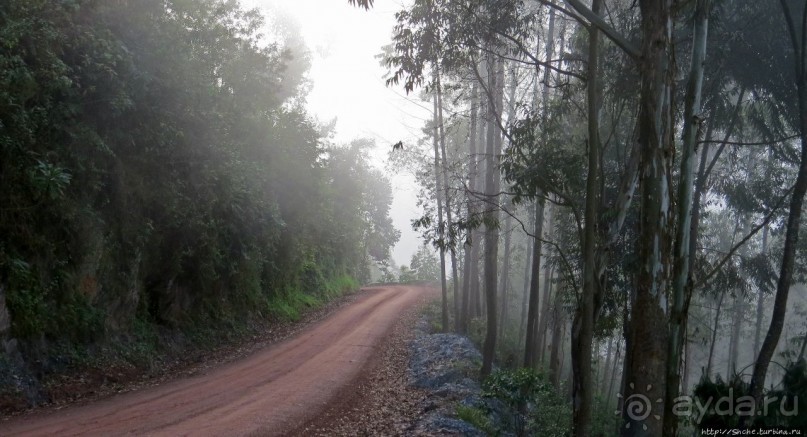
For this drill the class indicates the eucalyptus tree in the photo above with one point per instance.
(441, 197)
(682, 246)
(533, 325)
(419, 30)
(594, 235)
(583, 327)
(666, 245)
(494, 75)
(470, 274)
(446, 36)
(651, 342)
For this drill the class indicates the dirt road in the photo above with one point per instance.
(268, 393)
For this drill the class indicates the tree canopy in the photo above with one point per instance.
(157, 164)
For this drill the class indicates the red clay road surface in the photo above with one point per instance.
(268, 393)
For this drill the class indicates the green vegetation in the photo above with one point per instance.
(524, 403)
(723, 401)
(424, 266)
(159, 174)
(290, 304)
(476, 417)
(534, 406)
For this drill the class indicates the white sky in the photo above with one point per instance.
(348, 85)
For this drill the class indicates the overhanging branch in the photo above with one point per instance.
(604, 27)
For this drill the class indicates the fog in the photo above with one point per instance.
(348, 86)
(608, 194)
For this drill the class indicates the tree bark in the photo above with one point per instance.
(447, 195)
(649, 329)
(681, 274)
(558, 323)
(708, 371)
(530, 344)
(478, 234)
(505, 280)
(583, 324)
(760, 299)
(602, 377)
(527, 269)
(612, 379)
(543, 319)
(440, 223)
(470, 276)
(734, 339)
(491, 215)
(508, 223)
(687, 367)
(542, 316)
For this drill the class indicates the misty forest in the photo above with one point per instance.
(610, 197)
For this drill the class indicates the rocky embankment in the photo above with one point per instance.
(445, 367)
(414, 388)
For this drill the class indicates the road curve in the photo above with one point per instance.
(268, 393)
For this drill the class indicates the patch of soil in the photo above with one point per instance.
(86, 384)
(381, 402)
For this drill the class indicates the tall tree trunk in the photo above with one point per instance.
(558, 323)
(491, 214)
(440, 222)
(475, 304)
(544, 336)
(687, 367)
(794, 215)
(760, 298)
(508, 223)
(447, 196)
(563, 368)
(603, 376)
(734, 339)
(465, 296)
(470, 277)
(626, 369)
(542, 316)
(738, 310)
(708, 371)
(681, 274)
(612, 378)
(530, 344)
(478, 234)
(527, 269)
(583, 324)
(543, 319)
(504, 283)
(649, 329)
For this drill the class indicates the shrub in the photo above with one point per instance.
(535, 408)
(476, 417)
(780, 405)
